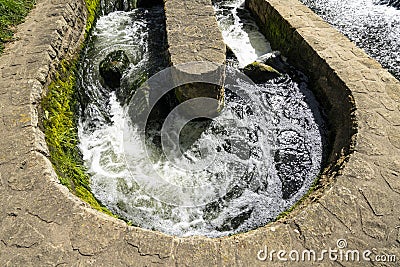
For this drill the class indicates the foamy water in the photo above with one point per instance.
(240, 32)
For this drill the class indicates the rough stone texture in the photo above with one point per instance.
(193, 36)
(43, 224)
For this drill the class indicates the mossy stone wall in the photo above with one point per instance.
(60, 122)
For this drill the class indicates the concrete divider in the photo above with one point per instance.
(43, 224)
(193, 36)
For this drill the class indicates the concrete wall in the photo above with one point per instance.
(43, 224)
(193, 36)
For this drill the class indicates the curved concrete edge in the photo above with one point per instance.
(42, 224)
(193, 33)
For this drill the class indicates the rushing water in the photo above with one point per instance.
(240, 32)
(372, 26)
(267, 148)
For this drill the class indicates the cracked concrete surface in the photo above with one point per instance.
(43, 224)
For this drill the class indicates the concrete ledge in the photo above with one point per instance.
(42, 224)
(193, 33)
(193, 36)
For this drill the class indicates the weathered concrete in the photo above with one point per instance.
(43, 224)
(193, 36)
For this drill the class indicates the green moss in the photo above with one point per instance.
(12, 13)
(92, 7)
(60, 126)
(275, 32)
(62, 137)
(266, 68)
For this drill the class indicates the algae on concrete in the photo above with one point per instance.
(60, 125)
(61, 134)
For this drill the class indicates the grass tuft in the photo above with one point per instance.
(60, 127)
(12, 13)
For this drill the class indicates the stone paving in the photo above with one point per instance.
(43, 224)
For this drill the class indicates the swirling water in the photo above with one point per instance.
(267, 149)
(372, 26)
